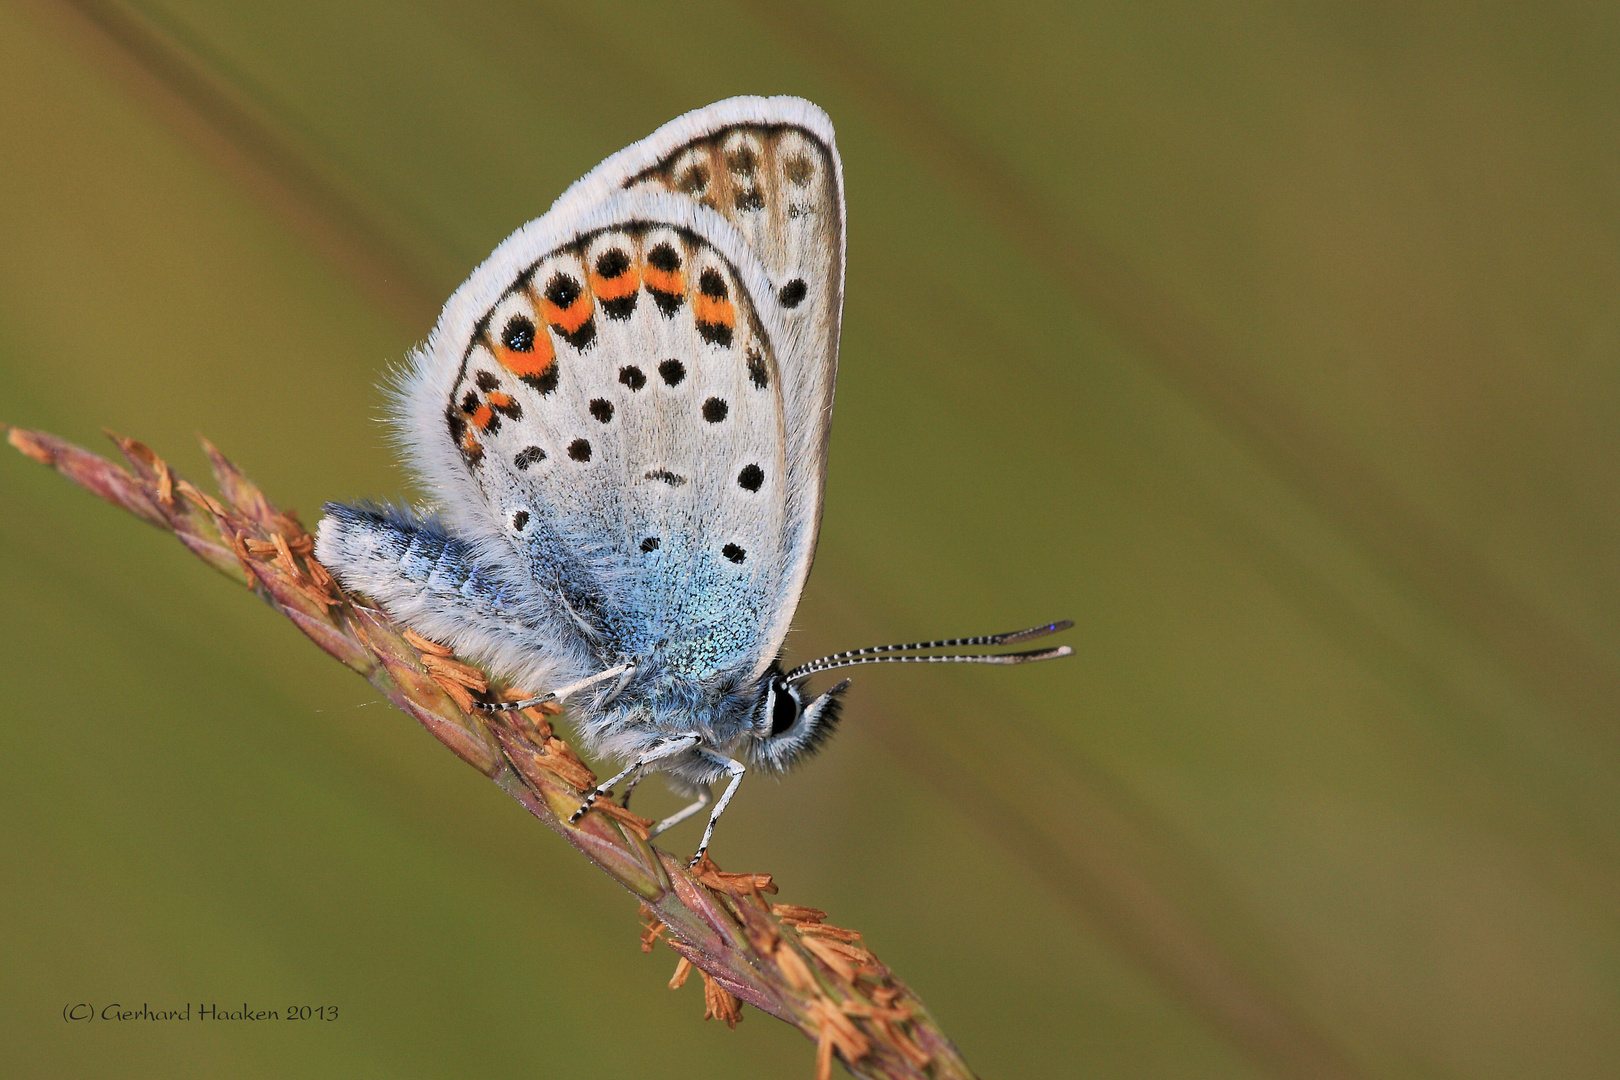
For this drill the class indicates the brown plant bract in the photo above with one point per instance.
(781, 958)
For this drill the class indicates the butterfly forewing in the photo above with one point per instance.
(618, 411)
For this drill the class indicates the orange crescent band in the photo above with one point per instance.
(570, 318)
(615, 288)
(713, 310)
(665, 281)
(528, 365)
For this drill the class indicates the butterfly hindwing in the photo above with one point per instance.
(616, 417)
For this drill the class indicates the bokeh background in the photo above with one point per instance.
(1276, 344)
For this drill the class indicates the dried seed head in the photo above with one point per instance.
(719, 1002)
(423, 645)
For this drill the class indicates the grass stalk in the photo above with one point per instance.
(783, 959)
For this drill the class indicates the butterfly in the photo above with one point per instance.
(623, 416)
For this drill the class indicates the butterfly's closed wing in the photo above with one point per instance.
(627, 404)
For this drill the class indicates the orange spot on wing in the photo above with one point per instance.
(665, 281)
(499, 401)
(527, 365)
(482, 416)
(615, 288)
(571, 318)
(712, 310)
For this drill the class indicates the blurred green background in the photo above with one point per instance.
(1275, 344)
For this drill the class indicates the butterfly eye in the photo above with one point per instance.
(784, 708)
(796, 727)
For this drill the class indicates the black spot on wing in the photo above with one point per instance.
(580, 450)
(529, 455)
(693, 181)
(672, 372)
(667, 477)
(650, 544)
(792, 294)
(715, 333)
(743, 161)
(563, 290)
(663, 257)
(712, 283)
(714, 410)
(632, 377)
(602, 409)
(545, 382)
(734, 553)
(799, 170)
(751, 477)
(756, 370)
(583, 337)
(486, 382)
(518, 334)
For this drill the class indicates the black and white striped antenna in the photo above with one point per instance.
(880, 654)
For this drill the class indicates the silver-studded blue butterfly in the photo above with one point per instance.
(623, 415)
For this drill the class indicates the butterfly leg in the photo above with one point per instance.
(630, 788)
(705, 797)
(625, 672)
(667, 748)
(735, 770)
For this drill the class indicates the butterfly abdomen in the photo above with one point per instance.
(439, 585)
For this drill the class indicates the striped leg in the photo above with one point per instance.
(625, 672)
(665, 749)
(630, 789)
(735, 770)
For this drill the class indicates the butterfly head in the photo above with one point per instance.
(788, 724)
